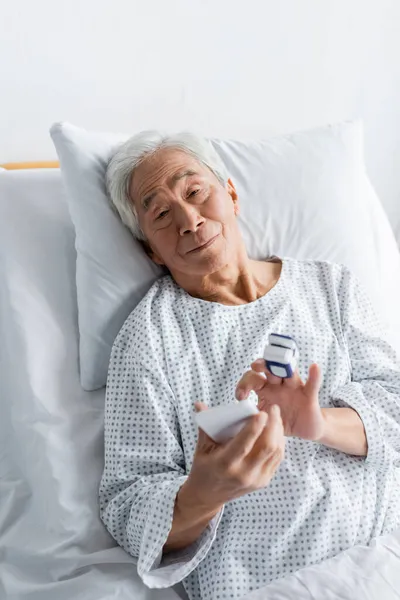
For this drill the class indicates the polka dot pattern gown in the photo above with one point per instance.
(175, 350)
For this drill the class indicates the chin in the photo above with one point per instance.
(206, 265)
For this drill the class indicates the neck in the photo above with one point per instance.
(239, 282)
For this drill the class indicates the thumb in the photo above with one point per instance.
(199, 406)
(313, 383)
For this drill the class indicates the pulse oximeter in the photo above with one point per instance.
(280, 355)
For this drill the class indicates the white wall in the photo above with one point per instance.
(221, 67)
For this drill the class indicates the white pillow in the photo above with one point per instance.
(304, 195)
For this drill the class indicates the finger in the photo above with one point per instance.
(271, 439)
(314, 380)
(275, 430)
(260, 366)
(294, 381)
(205, 444)
(274, 379)
(199, 406)
(250, 381)
(240, 445)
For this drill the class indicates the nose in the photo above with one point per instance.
(189, 219)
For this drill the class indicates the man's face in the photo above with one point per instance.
(187, 216)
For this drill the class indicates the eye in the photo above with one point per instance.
(194, 192)
(162, 215)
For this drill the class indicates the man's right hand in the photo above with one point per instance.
(222, 472)
(247, 462)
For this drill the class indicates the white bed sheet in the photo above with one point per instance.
(52, 543)
(361, 573)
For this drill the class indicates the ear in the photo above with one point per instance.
(150, 253)
(233, 194)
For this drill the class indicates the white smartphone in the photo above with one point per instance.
(222, 423)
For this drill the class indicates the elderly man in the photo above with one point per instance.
(315, 471)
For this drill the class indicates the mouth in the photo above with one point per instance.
(203, 246)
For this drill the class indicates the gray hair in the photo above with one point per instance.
(135, 150)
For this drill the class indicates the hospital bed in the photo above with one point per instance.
(53, 545)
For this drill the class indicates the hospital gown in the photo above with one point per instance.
(174, 350)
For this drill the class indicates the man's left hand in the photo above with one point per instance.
(300, 410)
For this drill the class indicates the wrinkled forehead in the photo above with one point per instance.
(166, 167)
